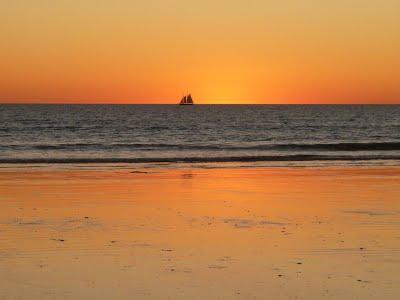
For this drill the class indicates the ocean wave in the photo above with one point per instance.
(271, 158)
(362, 146)
(373, 146)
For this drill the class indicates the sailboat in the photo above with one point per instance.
(186, 100)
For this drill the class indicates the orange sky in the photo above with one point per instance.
(124, 51)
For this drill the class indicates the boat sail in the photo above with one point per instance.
(186, 100)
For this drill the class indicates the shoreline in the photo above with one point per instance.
(203, 165)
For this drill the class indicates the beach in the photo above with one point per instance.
(196, 232)
(200, 150)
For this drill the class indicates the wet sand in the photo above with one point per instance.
(264, 233)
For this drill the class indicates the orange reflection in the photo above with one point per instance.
(85, 233)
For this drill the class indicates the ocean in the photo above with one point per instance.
(271, 134)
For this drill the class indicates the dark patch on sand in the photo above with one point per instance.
(22, 222)
(217, 267)
(141, 245)
(248, 223)
(57, 240)
(371, 213)
(187, 176)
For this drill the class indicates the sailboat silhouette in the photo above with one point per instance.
(186, 100)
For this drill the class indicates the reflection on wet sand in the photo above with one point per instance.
(216, 233)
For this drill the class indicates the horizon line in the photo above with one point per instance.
(196, 104)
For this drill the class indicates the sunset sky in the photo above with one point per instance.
(222, 51)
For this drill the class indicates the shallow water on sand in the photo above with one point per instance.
(330, 233)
